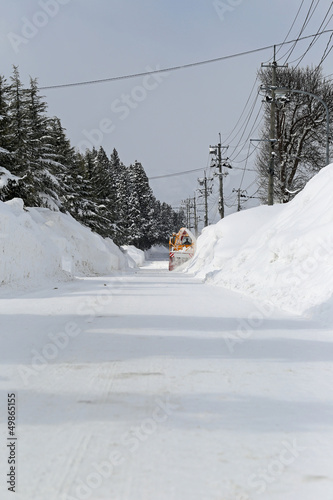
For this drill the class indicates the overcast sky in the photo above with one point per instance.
(166, 122)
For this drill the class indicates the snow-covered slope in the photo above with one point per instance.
(38, 246)
(282, 254)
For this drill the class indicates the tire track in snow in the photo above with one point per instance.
(71, 470)
(100, 386)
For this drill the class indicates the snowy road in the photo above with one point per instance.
(155, 386)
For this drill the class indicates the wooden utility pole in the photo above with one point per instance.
(195, 217)
(219, 157)
(217, 150)
(204, 193)
(240, 194)
(188, 212)
(272, 138)
(206, 200)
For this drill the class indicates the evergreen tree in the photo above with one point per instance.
(143, 199)
(104, 192)
(44, 186)
(123, 191)
(20, 185)
(104, 181)
(4, 125)
(18, 125)
(90, 211)
(61, 160)
(156, 231)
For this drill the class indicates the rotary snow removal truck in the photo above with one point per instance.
(181, 248)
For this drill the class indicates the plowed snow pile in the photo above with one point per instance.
(282, 254)
(38, 246)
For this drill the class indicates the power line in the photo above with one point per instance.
(326, 51)
(291, 27)
(184, 172)
(175, 68)
(307, 19)
(253, 126)
(174, 174)
(242, 113)
(316, 37)
(242, 179)
(146, 73)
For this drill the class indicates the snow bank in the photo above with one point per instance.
(283, 253)
(38, 246)
(157, 252)
(136, 257)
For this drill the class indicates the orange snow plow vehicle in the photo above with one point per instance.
(181, 248)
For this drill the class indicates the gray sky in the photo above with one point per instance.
(166, 122)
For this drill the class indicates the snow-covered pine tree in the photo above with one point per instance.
(17, 132)
(74, 199)
(4, 125)
(89, 210)
(26, 139)
(104, 192)
(45, 186)
(17, 123)
(118, 176)
(105, 185)
(179, 219)
(143, 197)
(61, 160)
(167, 219)
(123, 190)
(135, 232)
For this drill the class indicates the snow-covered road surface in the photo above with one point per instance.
(154, 386)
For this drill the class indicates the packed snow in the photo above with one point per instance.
(282, 254)
(152, 385)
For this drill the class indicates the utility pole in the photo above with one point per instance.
(195, 216)
(206, 200)
(204, 193)
(218, 151)
(187, 204)
(191, 207)
(221, 204)
(272, 138)
(240, 194)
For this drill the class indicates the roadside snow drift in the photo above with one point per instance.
(135, 256)
(38, 246)
(283, 253)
